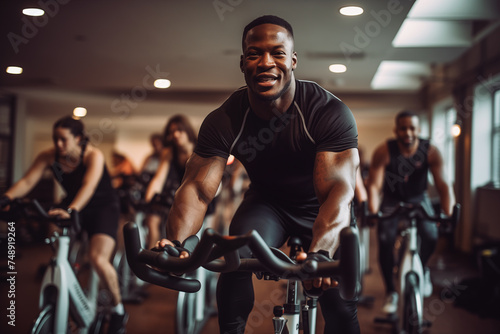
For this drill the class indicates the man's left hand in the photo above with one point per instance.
(321, 282)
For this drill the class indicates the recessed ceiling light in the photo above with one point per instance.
(14, 70)
(162, 83)
(33, 11)
(351, 10)
(337, 68)
(79, 112)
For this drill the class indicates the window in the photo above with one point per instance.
(443, 118)
(495, 147)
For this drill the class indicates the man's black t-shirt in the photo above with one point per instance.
(279, 153)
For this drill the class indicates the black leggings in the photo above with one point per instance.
(275, 223)
(387, 233)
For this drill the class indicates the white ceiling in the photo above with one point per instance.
(114, 47)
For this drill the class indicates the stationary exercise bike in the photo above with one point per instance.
(411, 272)
(158, 267)
(61, 294)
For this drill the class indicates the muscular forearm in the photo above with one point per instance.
(373, 199)
(334, 215)
(447, 199)
(187, 213)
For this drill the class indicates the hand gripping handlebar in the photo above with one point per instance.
(32, 209)
(413, 210)
(158, 267)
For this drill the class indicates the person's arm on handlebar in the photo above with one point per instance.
(376, 177)
(334, 181)
(198, 188)
(436, 166)
(360, 191)
(22, 187)
(158, 180)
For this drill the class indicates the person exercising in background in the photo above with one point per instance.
(298, 144)
(399, 171)
(179, 139)
(152, 161)
(80, 168)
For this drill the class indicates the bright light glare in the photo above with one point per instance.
(33, 11)
(79, 112)
(351, 10)
(162, 83)
(456, 130)
(337, 68)
(14, 70)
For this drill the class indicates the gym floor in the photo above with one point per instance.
(156, 313)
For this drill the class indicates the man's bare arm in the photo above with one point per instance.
(334, 181)
(446, 194)
(198, 188)
(376, 177)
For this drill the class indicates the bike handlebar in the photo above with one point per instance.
(156, 267)
(413, 210)
(34, 210)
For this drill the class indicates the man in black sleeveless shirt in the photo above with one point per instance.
(298, 143)
(399, 170)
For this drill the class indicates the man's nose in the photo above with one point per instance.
(267, 60)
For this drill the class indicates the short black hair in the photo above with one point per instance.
(266, 19)
(405, 113)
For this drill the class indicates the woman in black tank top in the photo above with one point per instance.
(80, 169)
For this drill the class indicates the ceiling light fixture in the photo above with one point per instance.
(14, 70)
(337, 68)
(351, 10)
(33, 12)
(162, 83)
(79, 112)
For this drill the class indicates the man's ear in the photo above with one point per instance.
(294, 60)
(241, 64)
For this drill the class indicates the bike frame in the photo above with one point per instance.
(294, 307)
(61, 286)
(412, 265)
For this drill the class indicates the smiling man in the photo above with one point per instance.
(298, 143)
(399, 170)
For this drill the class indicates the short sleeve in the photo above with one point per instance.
(212, 138)
(334, 128)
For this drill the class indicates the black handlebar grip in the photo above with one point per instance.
(350, 275)
(455, 216)
(190, 243)
(75, 217)
(133, 249)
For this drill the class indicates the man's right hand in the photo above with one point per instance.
(175, 248)
(170, 248)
